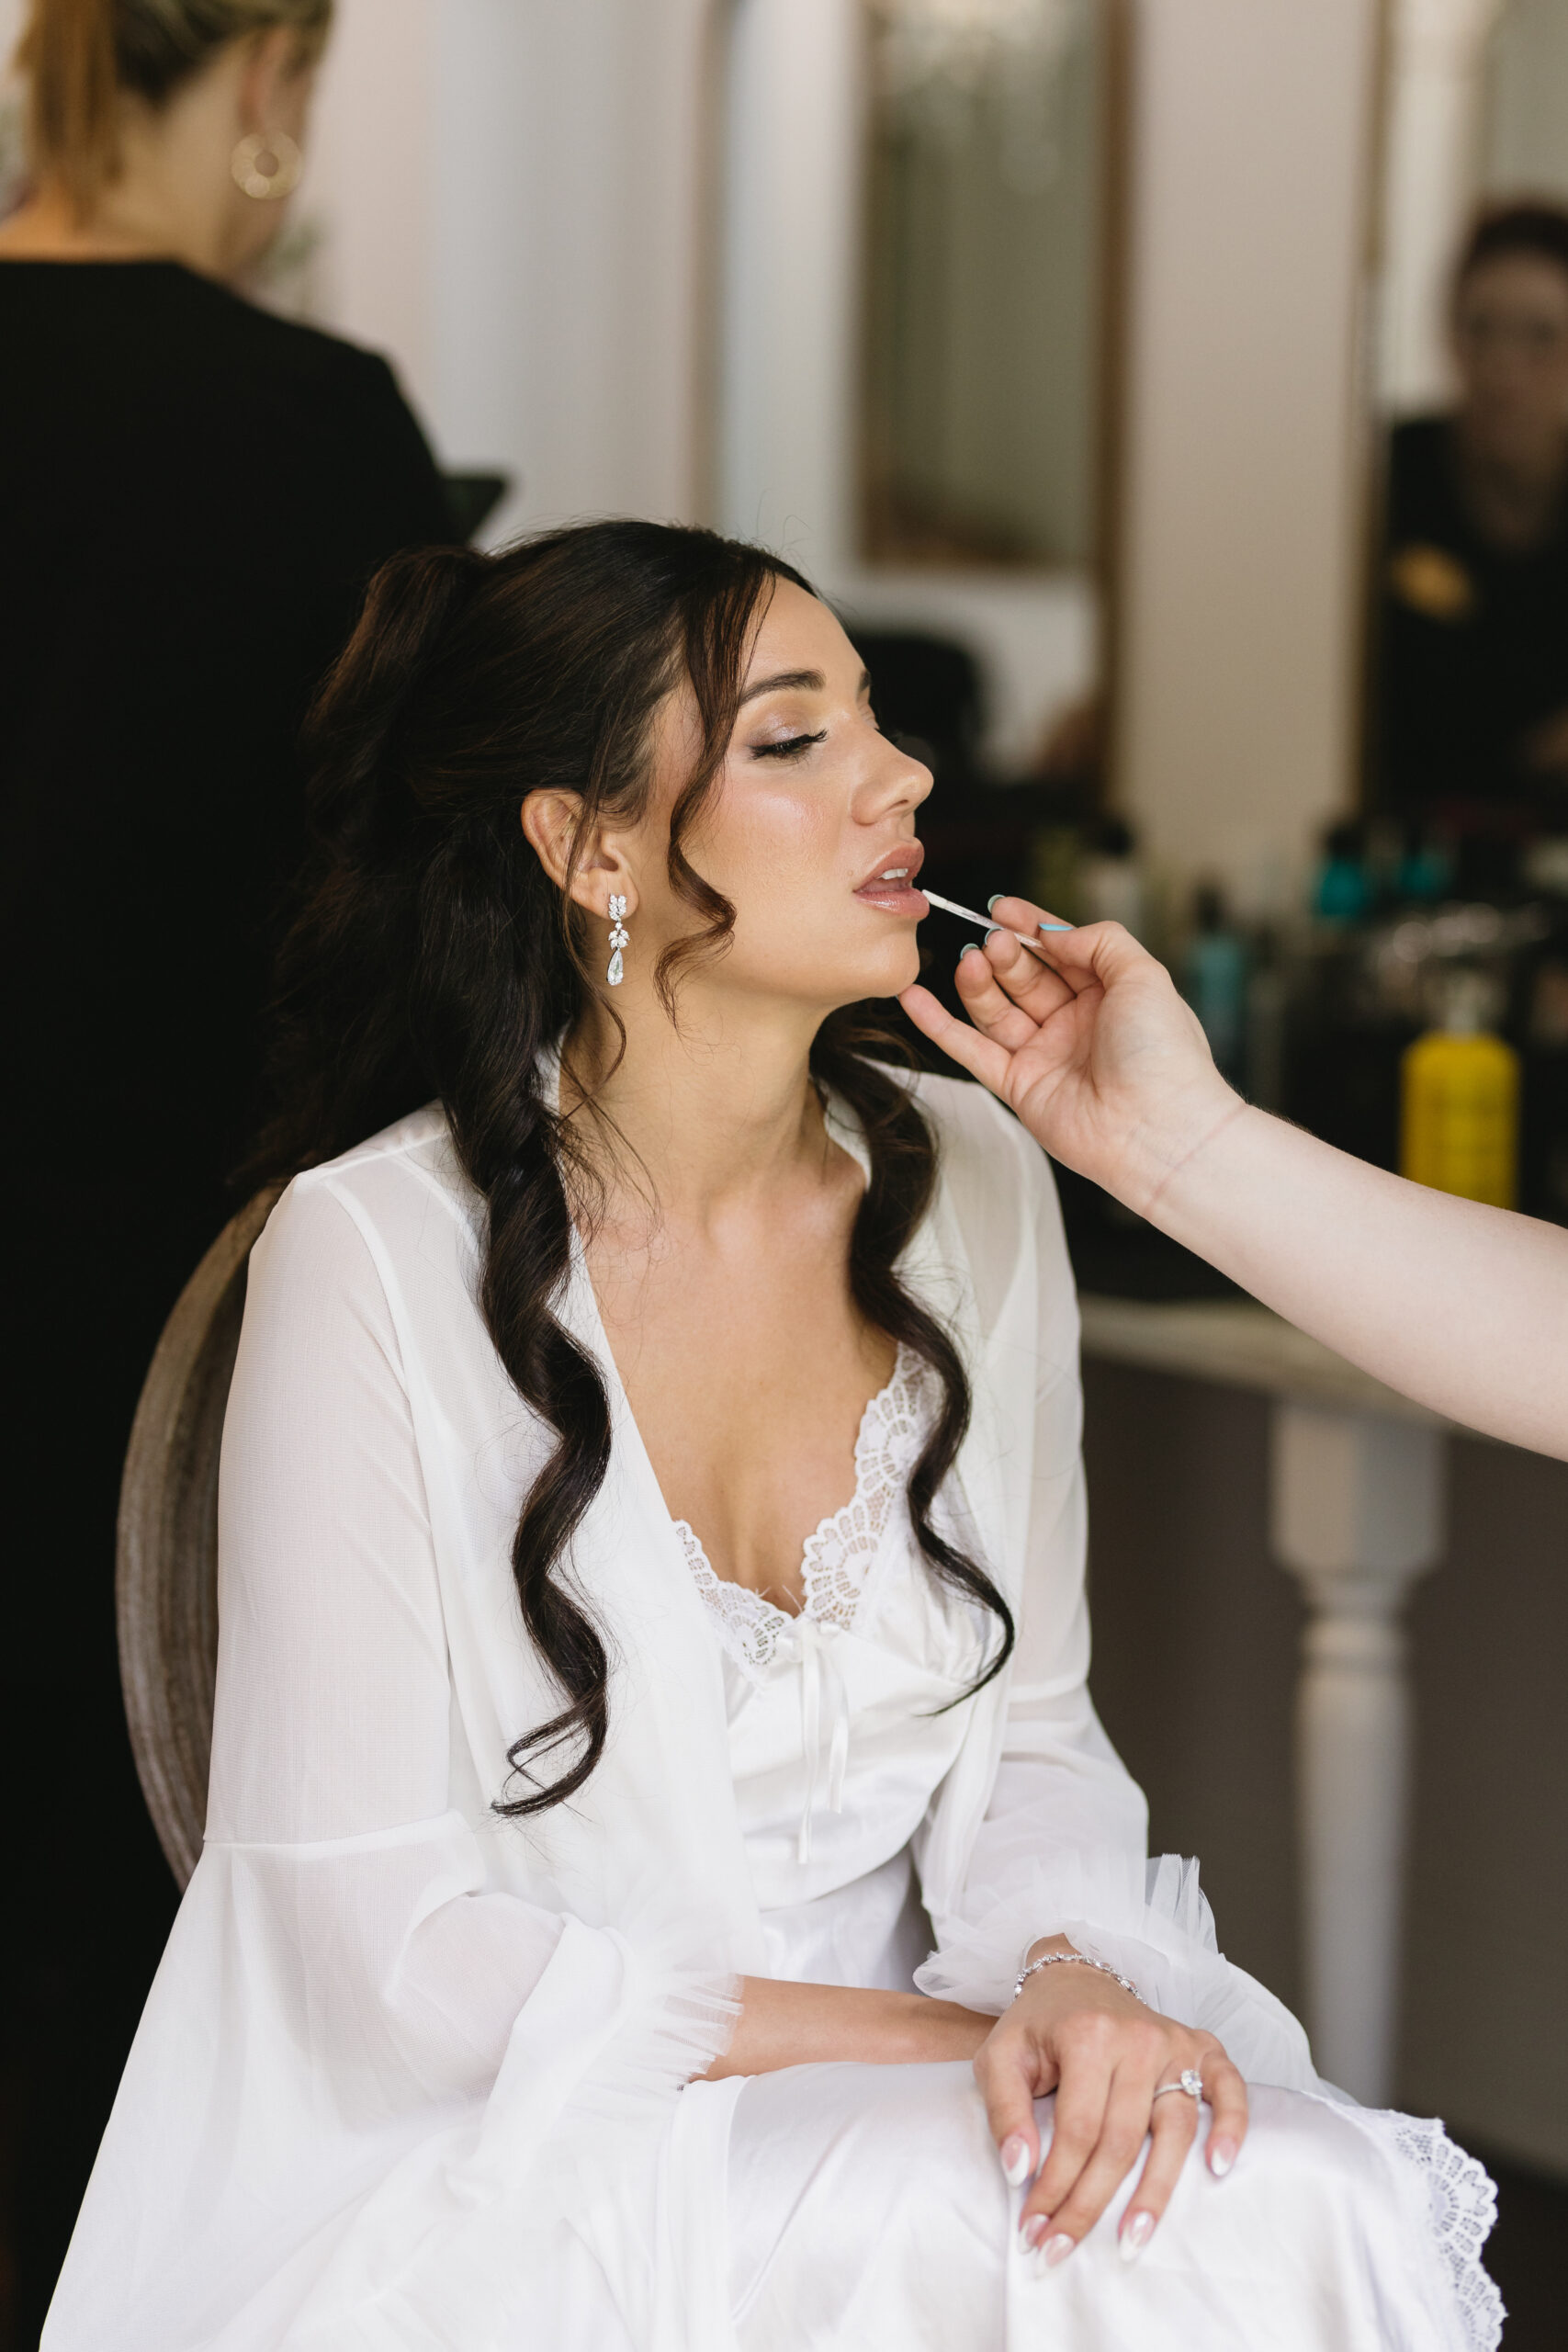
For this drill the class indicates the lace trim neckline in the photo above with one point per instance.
(842, 1549)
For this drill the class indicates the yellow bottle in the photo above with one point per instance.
(1460, 1112)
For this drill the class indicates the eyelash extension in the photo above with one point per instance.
(791, 746)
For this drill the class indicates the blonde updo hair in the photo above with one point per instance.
(80, 56)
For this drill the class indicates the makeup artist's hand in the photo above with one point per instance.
(1098, 1054)
(1110, 1070)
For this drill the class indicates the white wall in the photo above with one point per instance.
(1246, 441)
(1525, 136)
(510, 188)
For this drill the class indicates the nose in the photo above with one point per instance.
(894, 780)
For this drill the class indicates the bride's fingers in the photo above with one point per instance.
(979, 1055)
(1081, 2099)
(1173, 2127)
(1227, 2099)
(1006, 2085)
(1115, 2152)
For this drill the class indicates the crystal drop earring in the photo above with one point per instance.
(619, 938)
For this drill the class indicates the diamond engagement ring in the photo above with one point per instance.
(1190, 2081)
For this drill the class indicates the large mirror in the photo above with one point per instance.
(984, 284)
(1443, 911)
(917, 299)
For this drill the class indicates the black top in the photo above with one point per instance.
(192, 497)
(1474, 638)
(193, 494)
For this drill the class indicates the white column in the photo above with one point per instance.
(1436, 93)
(1356, 1512)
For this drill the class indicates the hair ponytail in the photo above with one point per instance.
(434, 956)
(68, 55)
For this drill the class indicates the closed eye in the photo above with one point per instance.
(789, 748)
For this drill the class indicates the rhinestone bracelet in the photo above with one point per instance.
(1076, 1959)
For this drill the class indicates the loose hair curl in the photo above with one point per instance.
(433, 955)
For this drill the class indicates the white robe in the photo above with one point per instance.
(411, 2075)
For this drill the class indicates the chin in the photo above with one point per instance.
(892, 966)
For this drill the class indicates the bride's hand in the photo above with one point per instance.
(1098, 1054)
(1076, 2032)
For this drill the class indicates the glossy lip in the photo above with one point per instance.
(897, 897)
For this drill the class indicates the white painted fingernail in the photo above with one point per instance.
(1055, 2250)
(1033, 2231)
(1222, 2156)
(1135, 2235)
(1015, 2160)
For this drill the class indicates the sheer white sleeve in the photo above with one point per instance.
(330, 1802)
(1062, 1848)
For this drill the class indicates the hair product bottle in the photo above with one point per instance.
(1460, 1111)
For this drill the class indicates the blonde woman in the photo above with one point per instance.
(193, 494)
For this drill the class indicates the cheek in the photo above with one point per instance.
(775, 842)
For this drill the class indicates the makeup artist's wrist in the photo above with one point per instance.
(1170, 1156)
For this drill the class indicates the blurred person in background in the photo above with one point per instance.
(193, 494)
(1474, 650)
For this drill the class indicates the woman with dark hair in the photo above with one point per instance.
(194, 494)
(1474, 655)
(652, 1603)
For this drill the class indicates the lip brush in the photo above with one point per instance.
(983, 923)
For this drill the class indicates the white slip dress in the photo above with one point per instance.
(866, 2208)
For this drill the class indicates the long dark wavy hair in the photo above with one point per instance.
(434, 956)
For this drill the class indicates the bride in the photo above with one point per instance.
(653, 1638)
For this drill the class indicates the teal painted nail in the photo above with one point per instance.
(1052, 926)
(970, 948)
(992, 899)
(993, 931)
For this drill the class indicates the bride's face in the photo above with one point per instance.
(809, 829)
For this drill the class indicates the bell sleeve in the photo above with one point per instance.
(367, 2071)
(1062, 1850)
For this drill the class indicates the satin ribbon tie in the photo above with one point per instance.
(820, 1676)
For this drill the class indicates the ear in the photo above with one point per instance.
(269, 90)
(602, 870)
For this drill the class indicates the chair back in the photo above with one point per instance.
(166, 1565)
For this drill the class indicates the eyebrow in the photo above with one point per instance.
(811, 682)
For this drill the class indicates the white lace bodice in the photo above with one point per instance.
(841, 1554)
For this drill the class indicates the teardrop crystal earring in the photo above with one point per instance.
(619, 938)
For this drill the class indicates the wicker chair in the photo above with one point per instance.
(166, 1568)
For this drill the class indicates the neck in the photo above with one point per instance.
(713, 1112)
(134, 220)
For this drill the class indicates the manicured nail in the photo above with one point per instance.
(992, 933)
(1016, 2165)
(1033, 2231)
(1222, 2156)
(1055, 2250)
(1135, 2235)
(992, 899)
(1047, 926)
(971, 947)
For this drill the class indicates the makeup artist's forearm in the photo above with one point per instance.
(784, 2024)
(1462, 1308)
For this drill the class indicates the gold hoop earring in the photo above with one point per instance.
(267, 165)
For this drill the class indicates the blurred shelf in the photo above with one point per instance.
(1237, 1344)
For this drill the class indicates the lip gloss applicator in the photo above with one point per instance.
(983, 923)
